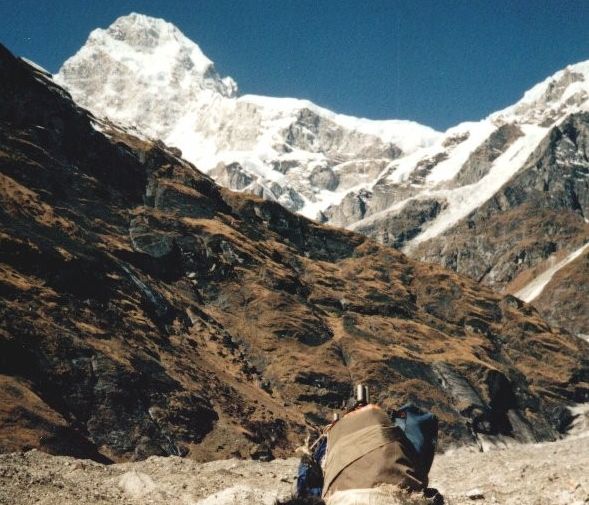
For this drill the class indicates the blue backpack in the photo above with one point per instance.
(310, 474)
(421, 428)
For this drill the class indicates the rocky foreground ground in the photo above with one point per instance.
(541, 474)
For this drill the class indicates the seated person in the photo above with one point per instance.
(367, 458)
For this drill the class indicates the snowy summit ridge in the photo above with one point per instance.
(144, 72)
(564, 92)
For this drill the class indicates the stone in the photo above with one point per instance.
(475, 494)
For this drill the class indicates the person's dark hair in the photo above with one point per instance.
(298, 500)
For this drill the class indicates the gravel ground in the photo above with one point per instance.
(541, 474)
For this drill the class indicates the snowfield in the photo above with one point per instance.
(144, 73)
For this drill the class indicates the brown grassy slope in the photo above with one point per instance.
(146, 311)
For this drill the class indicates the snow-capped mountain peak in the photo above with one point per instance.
(144, 72)
(159, 49)
(145, 34)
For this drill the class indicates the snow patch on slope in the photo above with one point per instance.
(534, 288)
(462, 201)
(401, 170)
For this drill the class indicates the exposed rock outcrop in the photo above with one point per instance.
(480, 161)
(399, 228)
(539, 213)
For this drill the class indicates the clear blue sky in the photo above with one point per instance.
(438, 62)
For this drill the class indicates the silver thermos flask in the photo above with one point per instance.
(362, 394)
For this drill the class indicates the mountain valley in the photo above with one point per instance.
(146, 311)
(502, 200)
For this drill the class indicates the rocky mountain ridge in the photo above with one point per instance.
(146, 311)
(401, 183)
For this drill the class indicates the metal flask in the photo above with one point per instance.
(362, 394)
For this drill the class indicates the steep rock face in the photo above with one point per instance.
(144, 310)
(481, 160)
(539, 213)
(398, 229)
(316, 134)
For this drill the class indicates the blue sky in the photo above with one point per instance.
(433, 61)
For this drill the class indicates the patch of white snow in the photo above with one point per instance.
(463, 200)
(534, 288)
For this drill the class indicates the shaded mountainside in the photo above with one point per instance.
(145, 311)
